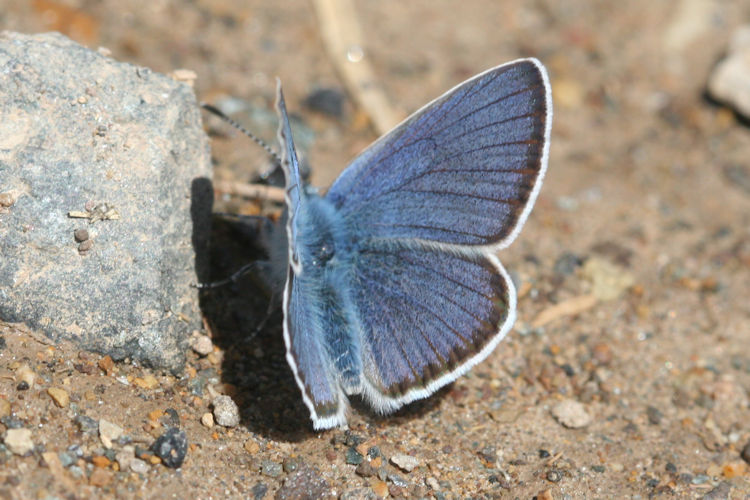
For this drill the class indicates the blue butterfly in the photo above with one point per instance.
(392, 286)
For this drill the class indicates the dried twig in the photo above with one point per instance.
(569, 307)
(343, 39)
(259, 191)
(96, 212)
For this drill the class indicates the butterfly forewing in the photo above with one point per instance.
(463, 170)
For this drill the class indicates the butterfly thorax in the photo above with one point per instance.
(323, 243)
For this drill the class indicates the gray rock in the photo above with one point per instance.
(123, 146)
(730, 80)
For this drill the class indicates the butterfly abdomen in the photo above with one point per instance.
(326, 252)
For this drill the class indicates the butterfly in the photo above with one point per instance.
(393, 289)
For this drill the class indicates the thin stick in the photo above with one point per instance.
(343, 39)
(259, 191)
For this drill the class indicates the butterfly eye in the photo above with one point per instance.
(323, 254)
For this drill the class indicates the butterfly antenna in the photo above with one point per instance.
(260, 142)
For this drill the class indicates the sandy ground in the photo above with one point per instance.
(634, 271)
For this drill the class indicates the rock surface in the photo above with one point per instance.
(123, 147)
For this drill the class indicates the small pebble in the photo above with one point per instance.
(270, 468)
(87, 425)
(395, 491)
(720, 492)
(226, 412)
(306, 482)
(12, 422)
(106, 364)
(4, 407)
(545, 495)
(171, 447)
(60, 396)
(66, 458)
(125, 456)
(398, 480)
(100, 477)
(101, 461)
(567, 263)
(365, 470)
(553, 476)
(380, 488)
(616, 467)
(207, 419)
(353, 457)
(19, 441)
(203, 345)
(85, 246)
(76, 471)
(432, 483)
(139, 466)
(353, 439)
(26, 375)
(290, 465)
(608, 281)
(571, 414)
(173, 418)
(654, 415)
(184, 75)
(489, 455)
(147, 382)
(700, 479)
(357, 494)
(7, 199)
(602, 353)
(259, 491)
(329, 101)
(406, 463)
(252, 447)
(80, 235)
(729, 81)
(108, 432)
(733, 469)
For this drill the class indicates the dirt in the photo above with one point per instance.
(633, 271)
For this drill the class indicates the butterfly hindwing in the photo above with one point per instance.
(430, 316)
